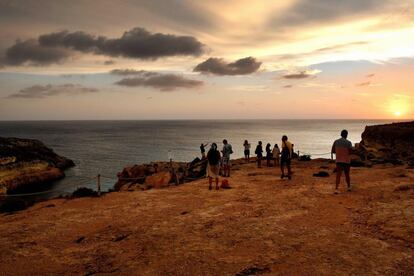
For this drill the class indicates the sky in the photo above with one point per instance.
(213, 59)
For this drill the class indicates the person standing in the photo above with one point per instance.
(213, 166)
(203, 150)
(246, 146)
(259, 154)
(269, 155)
(276, 153)
(286, 157)
(342, 148)
(227, 150)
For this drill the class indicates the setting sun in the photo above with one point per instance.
(397, 113)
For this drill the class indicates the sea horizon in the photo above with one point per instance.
(212, 119)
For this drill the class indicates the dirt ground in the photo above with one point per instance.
(263, 225)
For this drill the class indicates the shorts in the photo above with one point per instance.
(246, 152)
(343, 166)
(225, 161)
(285, 161)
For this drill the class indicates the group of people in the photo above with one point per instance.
(282, 156)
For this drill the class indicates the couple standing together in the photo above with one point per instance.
(213, 167)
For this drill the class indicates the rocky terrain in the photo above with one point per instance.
(262, 225)
(159, 174)
(393, 143)
(28, 163)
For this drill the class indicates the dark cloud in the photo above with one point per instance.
(218, 66)
(136, 43)
(163, 82)
(132, 72)
(365, 83)
(318, 11)
(300, 75)
(43, 91)
(288, 86)
(109, 62)
(370, 75)
(30, 52)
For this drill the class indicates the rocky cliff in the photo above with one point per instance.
(27, 162)
(392, 143)
(159, 174)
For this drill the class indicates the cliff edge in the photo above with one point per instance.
(27, 162)
(388, 143)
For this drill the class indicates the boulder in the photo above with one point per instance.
(131, 175)
(197, 168)
(158, 180)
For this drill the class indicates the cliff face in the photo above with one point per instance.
(27, 162)
(388, 143)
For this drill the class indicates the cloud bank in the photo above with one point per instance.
(30, 51)
(43, 91)
(300, 75)
(163, 82)
(137, 43)
(218, 66)
(131, 72)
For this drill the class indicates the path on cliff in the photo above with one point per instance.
(263, 225)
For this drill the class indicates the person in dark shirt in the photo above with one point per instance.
(213, 166)
(203, 150)
(285, 157)
(259, 154)
(227, 150)
(269, 154)
(246, 146)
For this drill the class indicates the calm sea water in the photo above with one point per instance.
(105, 147)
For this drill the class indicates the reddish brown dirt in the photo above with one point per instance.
(263, 225)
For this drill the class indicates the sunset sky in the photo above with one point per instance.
(213, 59)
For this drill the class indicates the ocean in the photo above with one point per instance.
(106, 147)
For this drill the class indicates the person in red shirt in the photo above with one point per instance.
(342, 149)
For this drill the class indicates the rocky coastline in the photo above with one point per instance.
(262, 225)
(28, 163)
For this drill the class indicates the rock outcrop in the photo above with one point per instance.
(159, 174)
(26, 163)
(390, 143)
